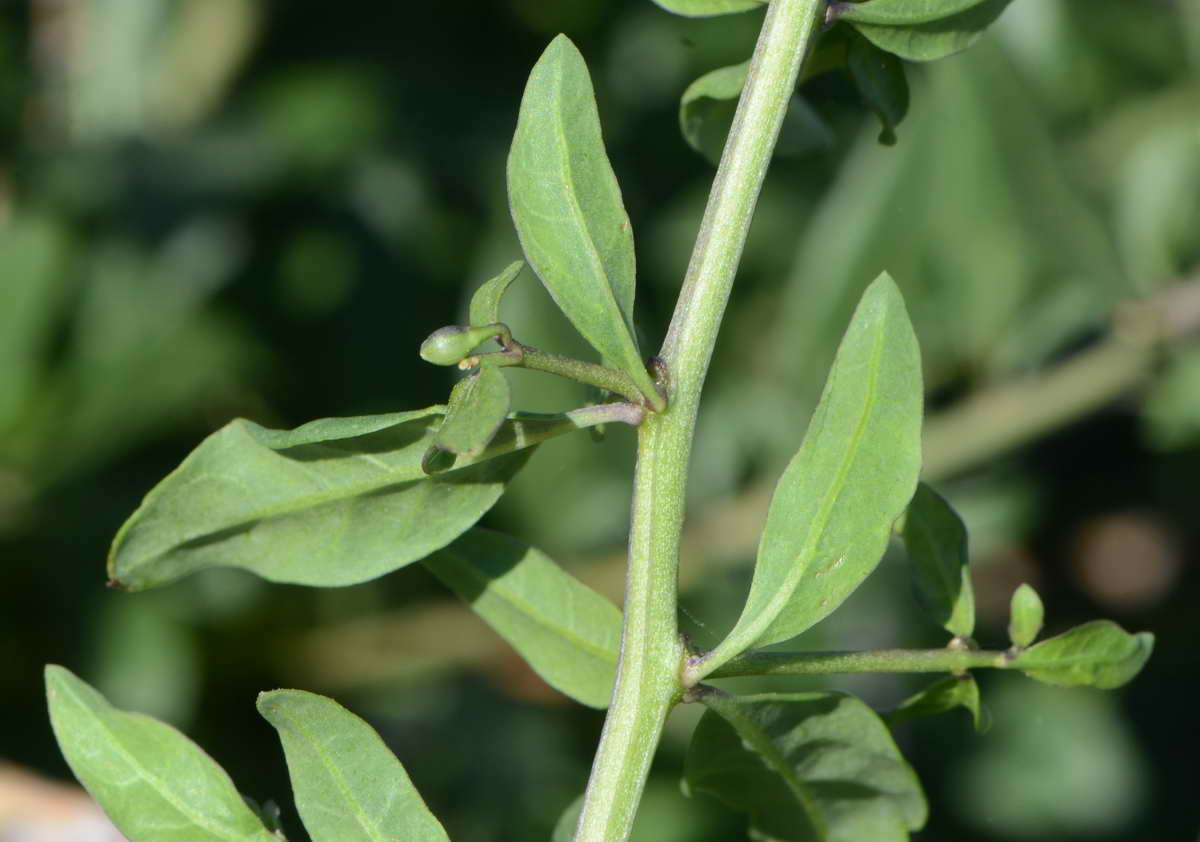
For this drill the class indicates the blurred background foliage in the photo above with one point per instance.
(212, 208)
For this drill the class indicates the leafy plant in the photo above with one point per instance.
(340, 501)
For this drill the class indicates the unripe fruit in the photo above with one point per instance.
(449, 345)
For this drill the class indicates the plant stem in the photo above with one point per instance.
(880, 660)
(609, 379)
(649, 671)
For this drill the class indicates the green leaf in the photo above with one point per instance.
(567, 632)
(708, 8)
(905, 12)
(879, 77)
(947, 694)
(706, 113)
(834, 506)
(807, 767)
(153, 782)
(930, 40)
(477, 407)
(936, 540)
(334, 502)
(1025, 616)
(349, 786)
(567, 208)
(485, 303)
(1096, 654)
(564, 828)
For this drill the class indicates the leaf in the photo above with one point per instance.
(879, 77)
(706, 113)
(567, 632)
(834, 506)
(334, 502)
(1025, 616)
(564, 828)
(928, 41)
(485, 303)
(349, 786)
(153, 782)
(947, 694)
(708, 8)
(805, 766)
(936, 540)
(567, 208)
(905, 12)
(477, 407)
(1096, 654)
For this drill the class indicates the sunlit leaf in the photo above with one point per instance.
(349, 787)
(879, 77)
(806, 767)
(485, 303)
(155, 784)
(568, 211)
(334, 502)
(947, 694)
(477, 407)
(930, 40)
(834, 506)
(1096, 654)
(936, 540)
(567, 632)
(1025, 616)
(708, 8)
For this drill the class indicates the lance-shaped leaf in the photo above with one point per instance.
(567, 632)
(879, 77)
(947, 694)
(153, 782)
(477, 407)
(567, 208)
(936, 540)
(708, 8)
(1096, 654)
(807, 767)
(834, 506)
(334, 502)
(707, 107)
(1025, 616)
(349, 787)
(925, 41)
(485, 303)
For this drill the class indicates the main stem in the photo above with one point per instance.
(649, 670)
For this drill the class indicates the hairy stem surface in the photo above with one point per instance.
(649, 680)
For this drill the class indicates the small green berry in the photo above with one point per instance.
(448, 345)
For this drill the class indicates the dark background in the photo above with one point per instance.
(213, 208)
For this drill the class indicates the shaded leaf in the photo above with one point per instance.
(807, 767)
(1025, 616)
(936, 540)
(879, 77)
(931, 40)
(706, 113)
(1096, 654)
(903, 12)
(153, 782)
(349, 787)
(568, 211)
(477, 407)
(708, 8)
(947, 694)
(333, 502)
(485, 303)
(567, 632)
(834, 506)
(564, 828)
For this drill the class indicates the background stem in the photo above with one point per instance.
(649, 680)
(880, 660)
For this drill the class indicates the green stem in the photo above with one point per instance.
(649, 671)
(609, 379)
(881, 660)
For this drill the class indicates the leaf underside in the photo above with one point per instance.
(932, 40)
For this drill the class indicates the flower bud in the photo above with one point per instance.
(448, 345)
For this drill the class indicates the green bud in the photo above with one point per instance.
(1026, 617)
(451, 344)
